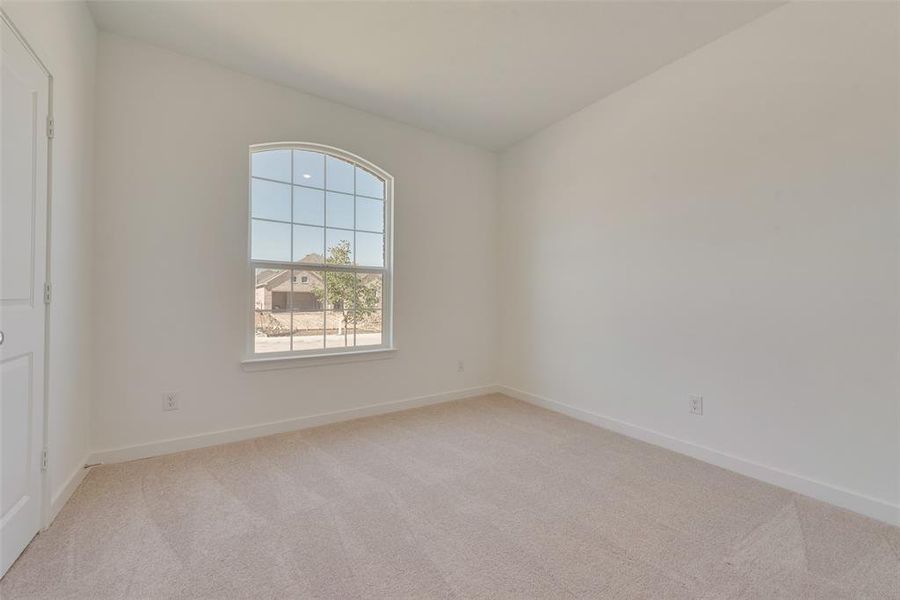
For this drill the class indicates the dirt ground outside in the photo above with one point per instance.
(273, 331)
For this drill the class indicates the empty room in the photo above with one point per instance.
(479, 299)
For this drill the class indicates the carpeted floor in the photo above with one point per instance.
(483, 498)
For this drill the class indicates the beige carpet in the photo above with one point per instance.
(484, 498)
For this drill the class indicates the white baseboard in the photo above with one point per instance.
(203, 440)
(871, 507)
(62, 495)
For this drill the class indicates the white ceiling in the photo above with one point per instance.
(488, 73)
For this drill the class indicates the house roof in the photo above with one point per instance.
(273, 277)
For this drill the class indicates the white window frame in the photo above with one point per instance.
(387, 272)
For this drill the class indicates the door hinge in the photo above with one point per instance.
(44, 460)
(47, 293)
(51, 127)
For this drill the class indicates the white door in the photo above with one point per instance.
(23, 227)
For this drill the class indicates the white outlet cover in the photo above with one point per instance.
(170, 401)
(695, 404)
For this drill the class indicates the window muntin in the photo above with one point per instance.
(319, 251)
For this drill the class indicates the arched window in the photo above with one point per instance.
(320, 251)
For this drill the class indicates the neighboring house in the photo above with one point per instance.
(276, 291)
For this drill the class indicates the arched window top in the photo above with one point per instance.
(320, 250)
(306, 163)
(337, 202)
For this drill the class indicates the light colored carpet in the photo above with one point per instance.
(483, 498)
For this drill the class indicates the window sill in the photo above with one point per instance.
(314, 360)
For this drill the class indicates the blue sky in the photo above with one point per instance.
(303, 207)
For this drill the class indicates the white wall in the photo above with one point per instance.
(726, 226)
(171, 273)
(63, 35)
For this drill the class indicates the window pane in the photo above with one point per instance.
(369, 249)
(369, 214)
(270, 241)
(337, 333)
(272, 317)
(338, 175)
(340, 246)
(308, 330)
(369, 309)
(368, 184)
(309, 206)
(272, 332)
(309, 168)
(307, 302)
(308, 292)
(269, 282)
(308, 244)
(340, 291)
(271, 200)
(339, 210)
(272, 164)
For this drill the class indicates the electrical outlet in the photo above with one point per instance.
(460, 366)
(170, 400)
(695, 403)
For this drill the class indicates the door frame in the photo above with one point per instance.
(45, 471)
